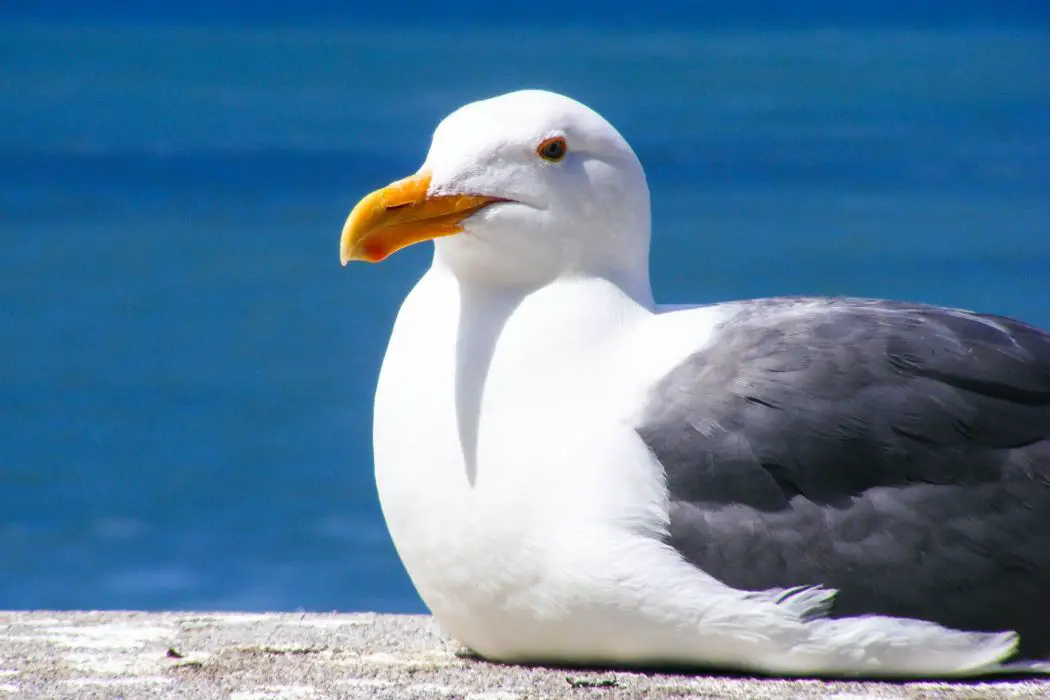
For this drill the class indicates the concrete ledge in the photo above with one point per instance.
(300, 657)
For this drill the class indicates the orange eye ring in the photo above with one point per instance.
(553, 149)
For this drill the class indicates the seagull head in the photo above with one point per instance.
(516, 189)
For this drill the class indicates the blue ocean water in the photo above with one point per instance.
(186, 372)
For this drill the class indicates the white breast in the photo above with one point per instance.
(488, 444)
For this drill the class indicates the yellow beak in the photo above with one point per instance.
(401, 214)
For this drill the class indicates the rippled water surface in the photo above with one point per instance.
(186, 373)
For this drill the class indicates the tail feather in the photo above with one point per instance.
(1024, 668)
(808, 602)
(874, 645)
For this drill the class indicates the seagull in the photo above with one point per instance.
(574, 474)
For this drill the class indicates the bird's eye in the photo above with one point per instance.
(553, 149)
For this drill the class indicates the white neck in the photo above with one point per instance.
(455, 340)
(503, 277)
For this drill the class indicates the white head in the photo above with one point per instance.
(516, 190)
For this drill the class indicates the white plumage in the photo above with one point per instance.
(528, 512)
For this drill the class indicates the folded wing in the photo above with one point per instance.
(897, 452)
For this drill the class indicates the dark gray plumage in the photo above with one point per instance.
(897, 452)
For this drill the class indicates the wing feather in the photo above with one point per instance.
(897, 452)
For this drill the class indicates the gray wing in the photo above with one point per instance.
(897, 452)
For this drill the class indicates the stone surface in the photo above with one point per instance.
(311, 657)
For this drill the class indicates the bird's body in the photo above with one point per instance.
(573, 474)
